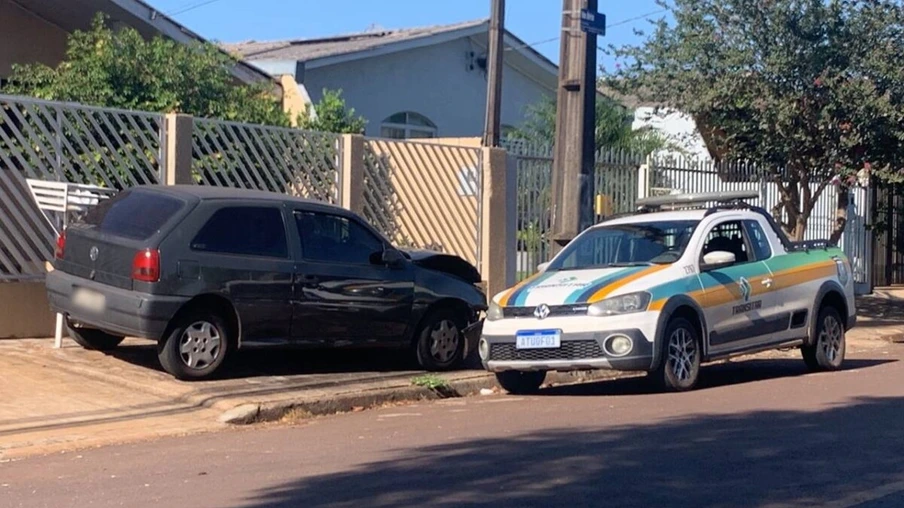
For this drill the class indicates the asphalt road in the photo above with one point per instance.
(758, 433)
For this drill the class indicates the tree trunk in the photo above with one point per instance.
(841, 209)
(800, 228)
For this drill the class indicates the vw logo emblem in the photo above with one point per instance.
(93, 253)
(542, 311)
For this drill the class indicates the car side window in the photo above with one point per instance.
(244, 230)
(334, 239)
(728, 237)
(758, 241)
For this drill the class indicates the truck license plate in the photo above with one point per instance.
(88, 300)
(538, 339)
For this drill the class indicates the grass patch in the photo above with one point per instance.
(431, 381)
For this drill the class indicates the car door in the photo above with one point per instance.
(242, 250)
(739, 304)
(345, 293)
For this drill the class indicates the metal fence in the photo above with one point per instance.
(68, 143)
(425, 195)
(685, 175)
(615, 180)
(276, 159)
(621, 178)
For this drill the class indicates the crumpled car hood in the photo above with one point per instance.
(446, 263)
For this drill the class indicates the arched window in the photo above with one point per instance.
(407, 125)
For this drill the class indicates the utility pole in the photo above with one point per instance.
(574, 156)
(494, 73)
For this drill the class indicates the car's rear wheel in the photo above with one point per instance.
(91, 338)
(440, 342)
(196, 345)
(519, 382)
(828, 348)
(679, 366)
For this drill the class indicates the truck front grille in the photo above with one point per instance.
(570, 350)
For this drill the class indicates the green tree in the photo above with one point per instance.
(121, 69)
(333, 116)
(613, 127)
(809, 90)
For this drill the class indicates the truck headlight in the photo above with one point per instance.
(624, 304)
(494, 312)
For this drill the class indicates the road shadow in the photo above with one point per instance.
(770, 458)
(711, 376)
(288, 362)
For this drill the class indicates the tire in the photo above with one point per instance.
(519, 382)
(439, 343)
(829, 344)
(91, 338)
(196, 346)
(679, 364)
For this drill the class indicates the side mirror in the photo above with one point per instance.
(542, 267)
(717, 259)
(392, 257)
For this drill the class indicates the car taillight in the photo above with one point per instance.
(146, 266)
(60, 249)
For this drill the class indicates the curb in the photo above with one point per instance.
(273, 411)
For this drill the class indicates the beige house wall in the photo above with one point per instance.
(469, 142)
(24, 310)
(424, 182)
(26, 38)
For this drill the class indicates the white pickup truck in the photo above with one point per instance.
(663, 291)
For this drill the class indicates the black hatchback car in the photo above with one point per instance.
(205, 271)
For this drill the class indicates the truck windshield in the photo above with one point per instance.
(134, 215)
(634, 244)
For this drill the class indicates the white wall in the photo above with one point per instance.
(434, 81)
(678, 127)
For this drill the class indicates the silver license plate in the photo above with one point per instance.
(538, 339)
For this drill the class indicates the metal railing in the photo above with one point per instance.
(276, 159)
(621, 178)
(65, 142)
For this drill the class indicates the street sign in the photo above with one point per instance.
(593, 22)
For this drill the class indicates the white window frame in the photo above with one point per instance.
(408, 128)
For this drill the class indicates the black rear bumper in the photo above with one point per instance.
(128, 313)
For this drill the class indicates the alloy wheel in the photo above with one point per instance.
(199, 345)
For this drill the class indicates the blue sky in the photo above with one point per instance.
(531, 20)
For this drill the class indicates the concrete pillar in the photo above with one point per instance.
(498, 220)
(351, 173)
(178, 149)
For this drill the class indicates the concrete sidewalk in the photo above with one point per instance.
(54, 400)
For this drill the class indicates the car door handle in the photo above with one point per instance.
(767, 283)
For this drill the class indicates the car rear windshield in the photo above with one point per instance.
(134, 215)
(640, 243)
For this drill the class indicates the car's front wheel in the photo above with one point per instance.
(679, 366)
(519, 382)
(440, 342)
(196, 346)
(828, 348)
(91, 338)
